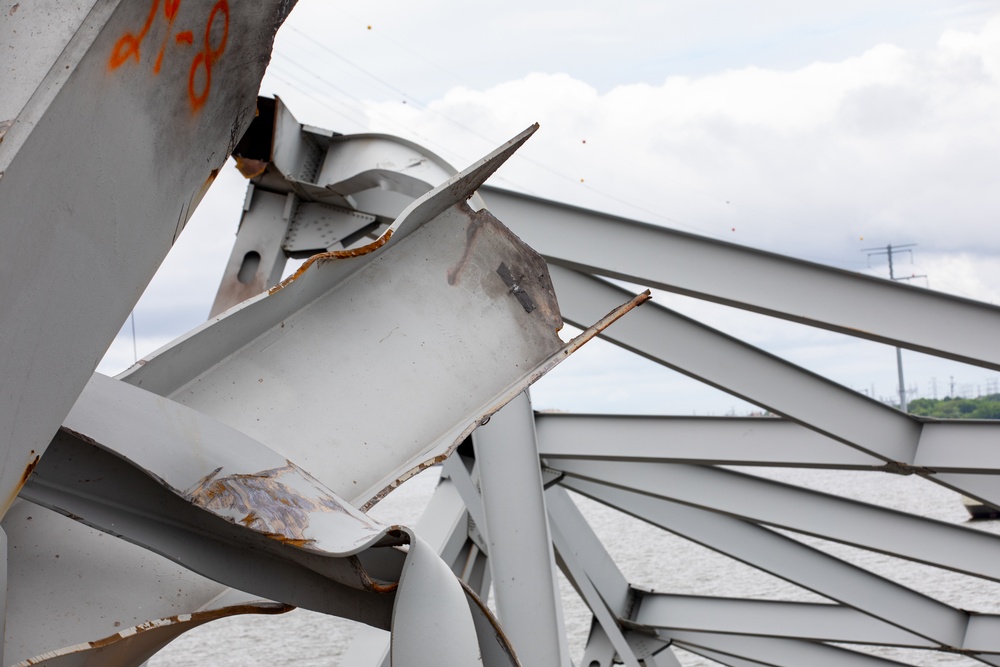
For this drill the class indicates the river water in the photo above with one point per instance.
(648, 557)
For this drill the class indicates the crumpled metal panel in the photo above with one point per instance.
(155, 473)
(372, 363)
(69, 584)
(99, 171)
(219, 452)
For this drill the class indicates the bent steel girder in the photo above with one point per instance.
(133, 126)
(664, 470)
(240, 453)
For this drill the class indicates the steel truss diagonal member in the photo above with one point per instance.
(794, 508)
(793, 561)
(710, 356)
(853, 304)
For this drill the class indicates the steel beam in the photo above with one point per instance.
(744, 441)
(573, 569)
(517, 529)
(587, 550)
(127, 144)
(778, 652)
(853, 304)
(765, 618)
(701, 352)
(795, 508)
(790, 560)
(955, 446)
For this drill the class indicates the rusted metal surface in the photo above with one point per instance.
(130, 107)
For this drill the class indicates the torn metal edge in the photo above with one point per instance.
(511, 392)
(469, 179)
(192, 619)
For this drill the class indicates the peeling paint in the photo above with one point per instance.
(249, 167)
(264, 502)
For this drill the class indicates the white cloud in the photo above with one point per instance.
(817, 159)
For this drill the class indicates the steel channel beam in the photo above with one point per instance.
(743, 370)
(749, 441)
(587, 550)
(520, 547)
(765, 618)
(792, 561)
(795, 508)
(955, 446)
(573, 569)
(763, 282)
(779, 652)
(694, 349)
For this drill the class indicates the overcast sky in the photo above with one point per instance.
(812, 129)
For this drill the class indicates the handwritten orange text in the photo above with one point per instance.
(129, 46)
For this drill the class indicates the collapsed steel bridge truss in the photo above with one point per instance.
(229, 472)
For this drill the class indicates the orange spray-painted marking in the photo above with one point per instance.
(170, 8)
(208, 55)
(128, 45)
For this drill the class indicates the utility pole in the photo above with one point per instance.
(888, 252)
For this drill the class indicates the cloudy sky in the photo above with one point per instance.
(812, 129)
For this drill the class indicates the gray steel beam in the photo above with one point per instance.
(517, 529)
(574, 570)
(708, 355)
(959, 446)
(256, 261)
(778, 652)
(790, 560)
(955, 446)
(763, 282)
(82, 236)
(765, 618)
(588, 551)
(743, 370)
(795, 508)
(749, 441)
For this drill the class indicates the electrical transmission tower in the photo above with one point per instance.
(888, 252)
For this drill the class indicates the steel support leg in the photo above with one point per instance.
(520, 545)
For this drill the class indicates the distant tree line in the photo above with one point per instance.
(984, 407)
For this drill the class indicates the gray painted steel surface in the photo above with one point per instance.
(180, 465)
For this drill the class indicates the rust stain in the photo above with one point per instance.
(472, 231)
(269, 506)
(366, 580)
(195, 618)
(30, 469)
(333, 254)
(249, 167)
